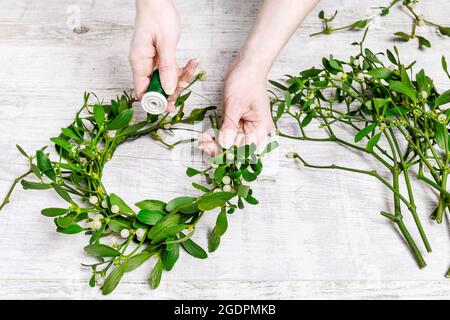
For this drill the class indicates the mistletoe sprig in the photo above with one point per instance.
(417, 21)
(329, 29)
(122, 238)
(397, 117)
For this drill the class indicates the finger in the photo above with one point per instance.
(185, 77)
(141, 70)
(168, 68)
(229, 128)
(255, 133)
(170, 107)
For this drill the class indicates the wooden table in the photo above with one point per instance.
(314, 235)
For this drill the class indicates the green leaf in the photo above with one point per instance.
(213, 241)
(34, 185)
(336, 65)
(270, 147)
(219, 173)
(99, 114)
(180, 203)
(444, 66)
(71, 133)
(168, 232)
(280, 110)
(62, 192)
(151, 205)
(214, 200)
(166, 222)
(192, 172)
(155, 275)
(66, 221)
(113, 279)
(402, 88)
(63, 143)
(307, 119)
(243, 190)
(170, 257)
(360, 24)
(101, 250)
(97, 234)
(136, 261)
(441, 135)
(381, 73)
(423, 42)
(200, 187)
(22, 151)
(193, 249)
(445, 31)
(44, 164)
(403, 35)
(250, 199)
(443, 98)
(121, 120)
(115, 200)
(150, 217)
(118, 223)
(365, 131)
(278, 85)
(133, 128)
(221, 223)
(373, 141)
(54, 212)
(72, 229)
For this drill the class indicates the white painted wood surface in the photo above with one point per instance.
(314, 235)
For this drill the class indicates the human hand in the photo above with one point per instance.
(156, 34)
(246, 112)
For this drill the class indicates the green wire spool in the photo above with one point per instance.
(154, 100)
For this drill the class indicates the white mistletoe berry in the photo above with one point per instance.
(360, 76)
(73, 149)
(104, 204)
(216, 190)
(313, 106)
(424, 94)
(93, 199)
(214, 166)
(226, 180)
(100, 281)
(124, 233)
(115, 208)
(227, 188)
(82, 147)
(111, 134)
(140, 233)
(442, 118)
(167, 126)
(160, 133)
(97, 217)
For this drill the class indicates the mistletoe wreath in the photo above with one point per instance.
(158, 229)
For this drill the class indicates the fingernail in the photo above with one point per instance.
(170, 91)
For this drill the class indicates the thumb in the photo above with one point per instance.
(168, 68)
(229, 128)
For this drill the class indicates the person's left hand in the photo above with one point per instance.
(246, 111)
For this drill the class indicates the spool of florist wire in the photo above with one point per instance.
(154, 100)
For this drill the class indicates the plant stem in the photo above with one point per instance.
(15, 182)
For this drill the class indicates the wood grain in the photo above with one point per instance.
(314, 235)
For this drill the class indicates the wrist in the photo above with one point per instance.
(253, 61)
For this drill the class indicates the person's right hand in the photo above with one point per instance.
(156, 34)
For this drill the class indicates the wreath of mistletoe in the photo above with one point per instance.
(123, 238)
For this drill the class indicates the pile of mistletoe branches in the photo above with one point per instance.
(408, 5)
(123, 238)
(397, 117)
